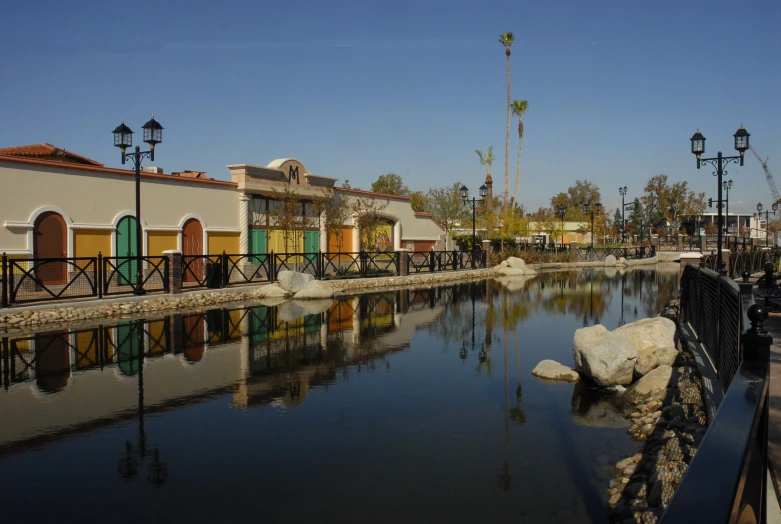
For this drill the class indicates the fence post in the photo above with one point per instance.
(455, 261)
(175, 263)
(486, 253)
(688, 259)
(99, 277)
(432, 263)
(703, 243)
(4, 282)
(363, 256)
(272, 269)
(403, 262)
(680, 242)
(224, 269)
(573, 251)
(166, 274)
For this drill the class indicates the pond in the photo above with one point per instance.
(412, 405)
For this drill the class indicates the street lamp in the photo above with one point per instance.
(727, 185)
(474, 201)
(767, 219)
(698, 148)
(123, 139)
(562, 211)
(622, 192)
(588, 209)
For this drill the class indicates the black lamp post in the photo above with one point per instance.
(474, 201)
(698, 148)
(588, 209)
(727, 185)
(767, 220)
(123, 139)
(622, 192)
(562, 211)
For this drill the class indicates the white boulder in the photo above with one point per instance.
(649, 333)
(314, 290)
(602, 356)
(621, 262)
(552, 370)
(654, 357)
(289, 311)
(270, 291)
(515, 262)
(293, 281)
(610, 260)
(652, 386)
(514, 266)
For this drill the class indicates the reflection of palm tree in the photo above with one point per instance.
(504, 477)
(517, 414)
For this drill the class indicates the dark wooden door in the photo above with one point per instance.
(50, 240)
(192, 245)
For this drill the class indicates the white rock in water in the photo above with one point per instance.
(293, 281)
(290, 311)
(314, 290)
(610, 260)
(653, 357)
(516, 262)
(621, 262)
(652, 386)
(552, 370)
(516, 271)
(649, 333)
(270, 291)
(586, 337)
(609, 362)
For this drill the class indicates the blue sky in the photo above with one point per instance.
(356, 89)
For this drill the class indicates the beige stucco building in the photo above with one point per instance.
(54, 203)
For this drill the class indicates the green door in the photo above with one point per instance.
(258, 245)
(127, 347)
(311, 244)
(126, 247)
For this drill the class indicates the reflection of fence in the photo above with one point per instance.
(733, 478)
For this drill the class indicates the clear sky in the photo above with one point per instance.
(356, 89)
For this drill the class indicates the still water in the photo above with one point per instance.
(405, 406)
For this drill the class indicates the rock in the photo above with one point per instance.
(649, 333)
(552, 370)
(609, 362)
(517, 270)
(621, 262)
(652, 386)
(315, 306)
(586, 337)
(515, 283)
(515, 262)
(314, 290)
(651, 358)
(293, 281)
(270, 291)
(610, 260)
(289, 311)
(597, 408)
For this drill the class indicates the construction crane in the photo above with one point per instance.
(768, 175)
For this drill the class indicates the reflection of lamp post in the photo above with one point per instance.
(153, 135)
(698, 148)
(588, 209)
(128, 464)
(474, 201)
(623, 281)
(622, 192)
(562, 211)
(767, 220)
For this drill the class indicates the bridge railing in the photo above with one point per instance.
(726, 481)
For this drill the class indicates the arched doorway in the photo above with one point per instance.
(126, 247)
(50, 240)
(192, 245)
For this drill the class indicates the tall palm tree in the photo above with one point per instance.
(507, 39)
(519, 109)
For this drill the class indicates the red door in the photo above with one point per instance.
(192, 245)
(50, 241)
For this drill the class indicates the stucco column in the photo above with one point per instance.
(323, 235)
(244, 222)
(687, 259)
(397, 235)
(356, 238)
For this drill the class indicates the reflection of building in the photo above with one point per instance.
(72, 381)
(54, 203)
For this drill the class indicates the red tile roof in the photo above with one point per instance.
(46, 151)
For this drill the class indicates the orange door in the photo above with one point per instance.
(50, 241)
(192, 244)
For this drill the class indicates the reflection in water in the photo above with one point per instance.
(357, 378)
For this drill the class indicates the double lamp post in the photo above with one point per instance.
(123, 139)
(758, 216)
(698, 148)
(474, 202)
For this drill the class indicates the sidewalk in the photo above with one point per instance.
(773, 326)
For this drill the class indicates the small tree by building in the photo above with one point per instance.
(334, 210)
(286, 214)
(367, 214)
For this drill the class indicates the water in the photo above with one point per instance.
(375, 408)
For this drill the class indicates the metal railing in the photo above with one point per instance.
(629, 253)
(726, 481)
(118, 274)
(41, 279)
(200, 270)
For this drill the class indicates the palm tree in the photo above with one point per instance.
(487, 159)
(507, 39)
(519, 108)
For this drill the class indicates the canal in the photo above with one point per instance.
(412, 405)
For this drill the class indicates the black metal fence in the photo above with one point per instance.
(37, 280)
(727, 478)
(629, 253)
